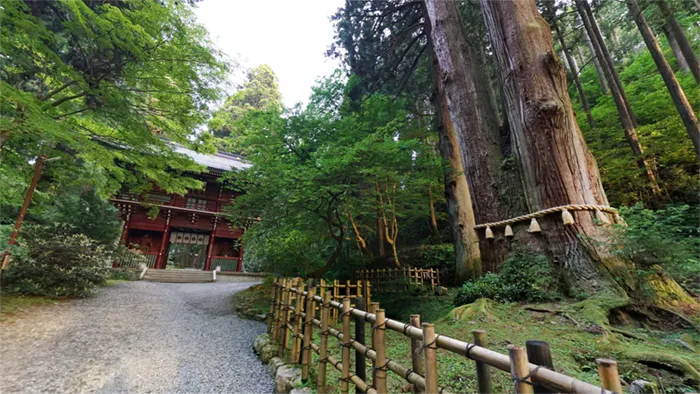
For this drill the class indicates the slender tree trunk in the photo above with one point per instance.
(574, 74)
(680, 59)
(380, 233)
(626, 118)
(474, 123)
(604, 55)
(457, 195)
(596, 62)
(677, 32)
(690, 120)
(433, 219)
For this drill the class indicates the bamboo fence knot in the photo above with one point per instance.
(525, 378)
(469, 348)
(433, 344)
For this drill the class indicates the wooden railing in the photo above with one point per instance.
(293, 315)
(398, 279)
(134, 260)
(226, 263)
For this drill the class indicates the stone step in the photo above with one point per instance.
(178, 276)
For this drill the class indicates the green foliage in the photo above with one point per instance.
(120, 274)
(667, 237)
(524, 277)
(315, 170)
(441, 256)
(100, 84)
(57, 264)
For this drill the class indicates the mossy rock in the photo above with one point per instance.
(477, 310)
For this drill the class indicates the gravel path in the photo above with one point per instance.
(134, 337)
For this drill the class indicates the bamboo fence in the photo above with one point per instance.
(293, 313)
(398, 279)
(342, 289)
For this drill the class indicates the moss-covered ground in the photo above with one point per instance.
(642, 353)
(11, 304)
(253, 301)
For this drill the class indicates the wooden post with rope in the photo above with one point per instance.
(323, 349)
(379, 343)
(298, 323)
(345, 373)
(430, 357)
(416, 353)
(308, 334)
(520, 370)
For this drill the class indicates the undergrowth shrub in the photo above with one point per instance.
(667, 238)
(524, 276)
(56, 264)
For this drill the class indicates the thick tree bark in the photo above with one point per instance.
(574, 74)
(690, 121)
(475, 125)
(623, 108)
(457, 195)
(677, 53)
(557, 167)
(604, 54)
(677, 32)
(596, 62)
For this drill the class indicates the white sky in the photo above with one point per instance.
(291, 36)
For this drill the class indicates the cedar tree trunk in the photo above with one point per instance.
(682, 41)
(690, 121)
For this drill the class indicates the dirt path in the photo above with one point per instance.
(135, 337)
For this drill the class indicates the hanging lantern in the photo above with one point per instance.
(534, 226)
(567, 217)
(601, 217)
(489, 233)
(509, 231)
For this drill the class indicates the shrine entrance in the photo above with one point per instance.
(187, 250)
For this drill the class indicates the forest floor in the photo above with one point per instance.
(642, 353)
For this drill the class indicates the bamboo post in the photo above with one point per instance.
(278, 312)
(368, 295)
(273, 310)
(483, 373)
(538, 353)
(345, 373)
(416, 353)
(323, 349)
(609, 377)
(296, 341)
(360, 362)
(308, 334)
(379, 343)
(520, 369)
(430, 358)
(285, 315)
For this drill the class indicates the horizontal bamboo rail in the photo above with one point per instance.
(516, 364)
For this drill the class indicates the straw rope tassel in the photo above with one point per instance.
(566, 217)
(619, 220)
(509, 231)
(602, 218)
(534, 226)
(489, 233)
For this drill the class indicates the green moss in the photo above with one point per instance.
(13, 304)
(253, 301)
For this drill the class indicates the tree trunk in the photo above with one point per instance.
(674, 88)
(457, 195)
(433, 219)
(475, 125)
(380, 233)
(488, 85)
(680, 59)
(596, 62)
(604, 55)
(574, 74)
(680, 38)
(557, 167)
(626, 117)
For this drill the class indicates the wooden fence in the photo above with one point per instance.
(398, 279)
(293, 315)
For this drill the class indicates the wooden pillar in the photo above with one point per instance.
(379, 343)
(162, 252)
(609, 377)
(538, 353)
(360, 362)
(210, 247)
(520, 369)
(308, 333)
(323, 350)
(239, 267)
(416, 356)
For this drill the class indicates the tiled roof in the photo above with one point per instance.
(218, 162)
